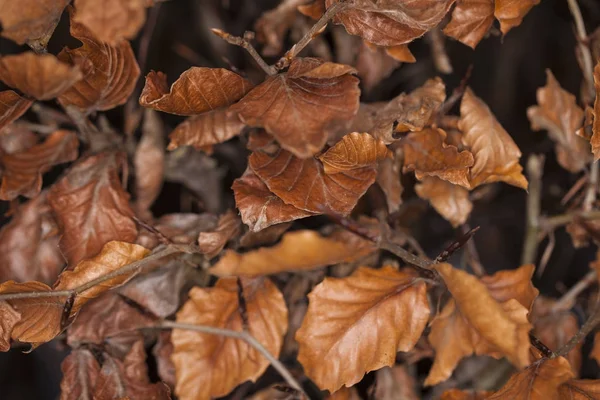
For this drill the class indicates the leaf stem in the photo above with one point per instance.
(244, 42)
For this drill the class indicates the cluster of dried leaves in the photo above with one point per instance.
(84, 261)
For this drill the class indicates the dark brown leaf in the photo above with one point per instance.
(80, 371)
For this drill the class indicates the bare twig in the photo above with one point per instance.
(454, 246)
(244, 42)
(546, 254)
(567, 300)
(438, 51)
(456, 94)
(535, 168)
(589, 326)
(586, 54)
(537, 343)
(549, 223)
(592, 188)
(241, 335)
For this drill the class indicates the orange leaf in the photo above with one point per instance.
(113, 256)
(297, 251)
(449, 200)
(388, 179)
(558, 113)
(12, 106)
(391, 23)
(197, 90)
(110, 72)
(30, 21)
(357, 324)
(212, 243)
(401, 53)
(456, 394)
(41, 76)
(300, 106)
(23, 171)
(471, 20)
(304, 184)
(354, 151)
(510, 13)
(496, 154)
(91, 206)
(8, 319)
(580, 389)
(426, 153)
(226, 362)
(344, 394)
(512, 284)
(595, 140)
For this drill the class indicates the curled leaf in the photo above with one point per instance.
(212, 243)
(471, 20)
(354, 151)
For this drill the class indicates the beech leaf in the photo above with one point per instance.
(388, 179)
(8, 319)
(354, 151)
(471, 20)
(149, 163)
(80, 370)
(357, 324)
(510, 13)
(12, 106)
(226, 362)
(30, 21)
(449, 200)
(212, 243)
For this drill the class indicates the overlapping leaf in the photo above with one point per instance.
(449, 200)
(30, 21)
(388, 179)
(471, 20)
(12, 106)
(212, 243)
(510, 13)
(354, 151)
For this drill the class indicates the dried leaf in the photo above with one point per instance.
(390, 23)
(426, 153)
(162, 353)
(558, 113)
(298, 107)
(8, 319)
(197, 90)
(373, 65)
(581, 389)
(212, 243)
(41, 76)
(259, 208)
(12, 106)
(388, 179)
(401, 53)
(80, 370)
(180, 228)
(449, 200)
(456, 394)
(205, 130)
(510, 13)
(595, 353)
(227, 361)
(91, 206)
(354, 151)
(23, 171)
(272, 26)
(30, 21)
(471, 20)
(496, 154)
(595, 139)
(112, 20)
(109, 72)
(304, 184)
(357, 324)
(344, 393)
(394, 383)
(149, 163)
(113, 256)
(297, 251)
(512, 284)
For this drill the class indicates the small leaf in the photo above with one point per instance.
(227, 361)
(197, 90)
(212, 243)
(354, 151)
(510, 13)
(30, 21)
(357, 324)
(449, 200)
(8, 319)
(12, 106)
(388, 179)
(149, 163)
(471, 20)
(80, 372)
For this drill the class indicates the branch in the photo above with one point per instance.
(246, 337)
(567, 300)
(549, 223)
(586, 54)
(244, 42)
(589, 326)
(535, 170)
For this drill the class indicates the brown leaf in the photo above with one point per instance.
(228, 362)
(426, 153)
(388, 179)
(373, 65)
(304, 184)
(496, 154)
(80, 370)
(23, 171)
(401, 53)
(12, 106)
(344, 393)
(354, 151)
(313, 9)
(510, 13)
(17, 137)
(41, 76)
(273, 25)
(267, 236)
(109, 72)
(595, 139)
(300, 106)
(112, 20)
(540, 381)
(558, 113)
(8, 319)
(212, 243)
(205, 130)
(449, 200)
(512, 284)
(162, 352)
(30, 21)
(197, 90)
(580, 389)
(390, 23)
(456, 394)
(357, 324)
(595, 353)
(297, 251)
(259, 208)
(92, 207)
(394, 383)
(113, 256)
(149, 163)
(180, 228)
(471, 20)
(29, 244)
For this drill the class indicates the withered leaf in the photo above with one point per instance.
(357, 324)
(80, 370)
(354, 151)
(162, 353)
(580, 389)
(92, 207)
(394, 383)
(298, 250)
(8, 319)
(109, 72)
(181, 228)
(23, 171)
(389, 23)
(298, 107)
(30, 21)
(373, 65)
(272, 26)
(259, 208)
(595, 139)
(41, 76)
(449, 200)
(205, 130)
(456, 394)
(12, 106)
(512, 284)
(113, 256)
(344, 393)
(17, 137)
(226, 362)
(558, 113)
(401, 53)
(496, 154)
(212, 243)
(388, 179)
(149, 163)
(510, 13)
(304, 184)
(197, 90)
(426, 153)
(112, 20)
(471, 20)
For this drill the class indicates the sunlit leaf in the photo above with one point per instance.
(354, 151)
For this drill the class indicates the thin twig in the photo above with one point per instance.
(246, 337)
(592, 188)
(567, 300)
(455, 246)
(244, 42)
(586, 54)
(537, 343)
(589, 326)
(535, 168)
(549, 223)
(546, 254)
(438, 51)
